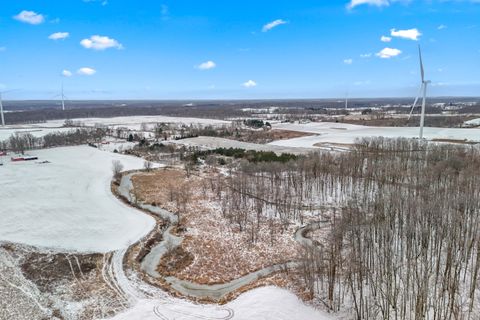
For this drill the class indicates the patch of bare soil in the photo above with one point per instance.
(335, 144)
(267, 136)
(454, 141)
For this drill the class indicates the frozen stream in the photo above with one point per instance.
(170, 241)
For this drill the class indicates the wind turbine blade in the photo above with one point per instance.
(422, 72)
(416, 101)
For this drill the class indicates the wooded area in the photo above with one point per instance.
(399, 224)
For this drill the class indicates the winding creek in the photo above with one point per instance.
(170, 241)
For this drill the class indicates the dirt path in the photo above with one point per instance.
(170, 242)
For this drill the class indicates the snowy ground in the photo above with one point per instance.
(473, 122)
(132, 123)
(5, 133)
(213, 142)
(268, 303)
(328, 132)
(135, 122)
(67, 204)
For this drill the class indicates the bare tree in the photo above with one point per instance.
(117, 168)
(147, 165)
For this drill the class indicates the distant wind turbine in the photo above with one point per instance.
(1, 110)
(423, 88)
(62, 96)
(63, 99)
(2, 116)
(346, 101)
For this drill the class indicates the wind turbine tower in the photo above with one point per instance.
(1, 110)
(63, 99)
(423, 90)
(346, 102)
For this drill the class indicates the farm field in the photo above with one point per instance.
(330, 132)
(214, 142)
(132, 123)
(66, 204)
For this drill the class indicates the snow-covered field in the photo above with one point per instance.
(268, 303)
(329, 132)
(67, 204)
(135, 122)
(473, 122)
(214, 142)
(37, 132)
(132, 123)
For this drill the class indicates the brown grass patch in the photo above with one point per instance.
(220, 252)
(175, 260)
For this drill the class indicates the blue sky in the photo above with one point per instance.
(112, 49)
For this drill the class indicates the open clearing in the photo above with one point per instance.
(132, 123)
(214, 142)
(330, 132)
(268, 303)
(67, 204)
(37, 132)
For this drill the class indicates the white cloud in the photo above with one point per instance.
(103, 3)
(67, 73)
(85, 71)
(97, 42)
(30, 17)
(365, 55)
(441, 27)
(273, 24)
(249, 84)
(411, 34)
(164, 11)
(59, 36)
(388, 53)
(379, 3)
(385, 39)
(348, 61)
(207, 65)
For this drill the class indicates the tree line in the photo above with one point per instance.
(21, 142)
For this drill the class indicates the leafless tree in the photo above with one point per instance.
(117, 168)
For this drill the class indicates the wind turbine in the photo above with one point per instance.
(423, 88)
(63, 99)
(346, 101)
(2, 116)
(62, 96)
(1, 110)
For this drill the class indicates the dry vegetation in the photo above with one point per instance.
(59, 286)
(221, 251)
(267, 136)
